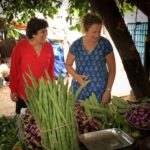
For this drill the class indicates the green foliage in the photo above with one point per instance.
(77, 8)
(125, 6)
(13, 33)
(23, 10)
(8, 133)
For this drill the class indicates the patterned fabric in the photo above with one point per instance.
(93, 65)
(59, 62)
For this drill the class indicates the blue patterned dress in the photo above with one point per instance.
(93, 65)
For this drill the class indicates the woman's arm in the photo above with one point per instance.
(110, 60)
(15, 57)
(51, 66)
(69, 62)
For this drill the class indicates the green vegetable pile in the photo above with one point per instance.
(52, 106)
(110, 115)
(8, 134)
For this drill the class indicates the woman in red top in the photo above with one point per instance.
(33, 52)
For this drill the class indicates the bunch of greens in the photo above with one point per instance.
(8, 134)
(52, 105)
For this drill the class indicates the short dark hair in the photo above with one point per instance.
(88, 20)
(34, 25)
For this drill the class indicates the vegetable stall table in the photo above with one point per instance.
(55, 120)
(139, 144)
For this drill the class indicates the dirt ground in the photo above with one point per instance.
(7, 107)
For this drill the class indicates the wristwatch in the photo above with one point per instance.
(108, 89)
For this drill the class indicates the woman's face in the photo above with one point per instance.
(94, 32)
(41, 35)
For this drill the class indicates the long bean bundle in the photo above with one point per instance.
(52, 106)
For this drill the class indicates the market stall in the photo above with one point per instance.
(53, 120)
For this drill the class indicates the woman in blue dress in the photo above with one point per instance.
(94, 59)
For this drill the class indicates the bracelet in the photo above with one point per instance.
(108, 89)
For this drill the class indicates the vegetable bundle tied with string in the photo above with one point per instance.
(52, 105)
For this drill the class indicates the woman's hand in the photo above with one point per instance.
(106, 97)
(82, 79)
(13, 97)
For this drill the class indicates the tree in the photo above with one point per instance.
(113, 21)
(22, 10)
(125, 46)
(119, 33)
